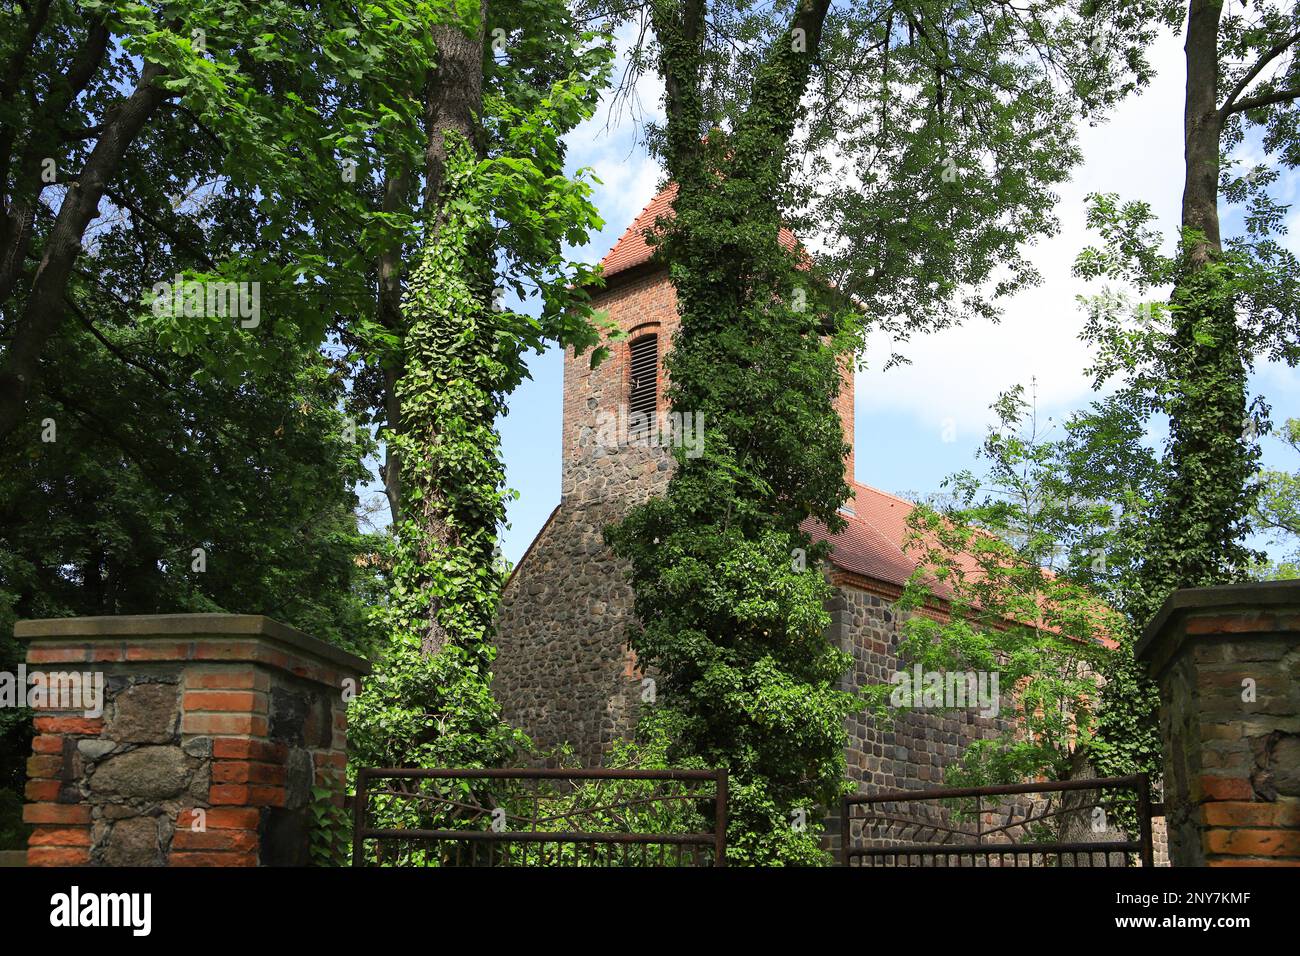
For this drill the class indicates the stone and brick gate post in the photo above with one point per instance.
(209, 734)
(1227, 662)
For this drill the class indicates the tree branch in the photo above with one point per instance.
(1264, 99)
(1230, 104)
(44, 309)
(22, 200)
(126, 359)
(119, 200)
(681, 43)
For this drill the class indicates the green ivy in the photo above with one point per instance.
(331, 830)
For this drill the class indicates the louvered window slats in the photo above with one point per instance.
(643, 394)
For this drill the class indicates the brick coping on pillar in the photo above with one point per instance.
(1226, 661)
(135, 628)
(1258, 596)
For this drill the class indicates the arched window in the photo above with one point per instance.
(643, 384)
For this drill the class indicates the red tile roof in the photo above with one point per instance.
(632, 250)
(872, 543)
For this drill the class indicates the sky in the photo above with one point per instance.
(918, 423)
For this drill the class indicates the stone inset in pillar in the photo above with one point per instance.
(1227, 662)
(213, 730)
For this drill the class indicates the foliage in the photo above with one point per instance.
(331, 828)
(929, 136)
(933, 146)
(1199, 517)
(1183, 359)
(1277, 510)
(732, 623)
(1035, 561)
(999, 558)
(187, 122)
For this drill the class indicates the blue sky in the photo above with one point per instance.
(916, 424)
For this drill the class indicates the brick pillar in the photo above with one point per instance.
(214, 729)
(1227, 662)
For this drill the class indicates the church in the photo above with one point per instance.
(564, 672)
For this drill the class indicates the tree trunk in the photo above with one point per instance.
(1202, 127)
(1196, 537)
(455, 99)
(453, 103)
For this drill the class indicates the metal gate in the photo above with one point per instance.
(1035, 824)
(542, 817)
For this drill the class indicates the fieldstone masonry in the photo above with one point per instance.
(564, 672)
(214, 730)
(1227, 662)
(911, 751)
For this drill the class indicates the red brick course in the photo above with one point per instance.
(56, 813)
(221, 818)
(60, 836)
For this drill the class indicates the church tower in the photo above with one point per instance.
(564, 673)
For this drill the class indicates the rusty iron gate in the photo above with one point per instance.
(1034, 824)
(539, 817)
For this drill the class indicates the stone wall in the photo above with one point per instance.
(214, 730)
(564, 672)
(1227, 662)
(911, 751)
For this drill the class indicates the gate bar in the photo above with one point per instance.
(939, 793)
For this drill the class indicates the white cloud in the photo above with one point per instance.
(957, 373)
(610, 143)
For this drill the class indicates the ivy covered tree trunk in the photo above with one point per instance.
(430, 704)
(449, 449)
(731, 618)
(495, 197)
(1195, 537)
